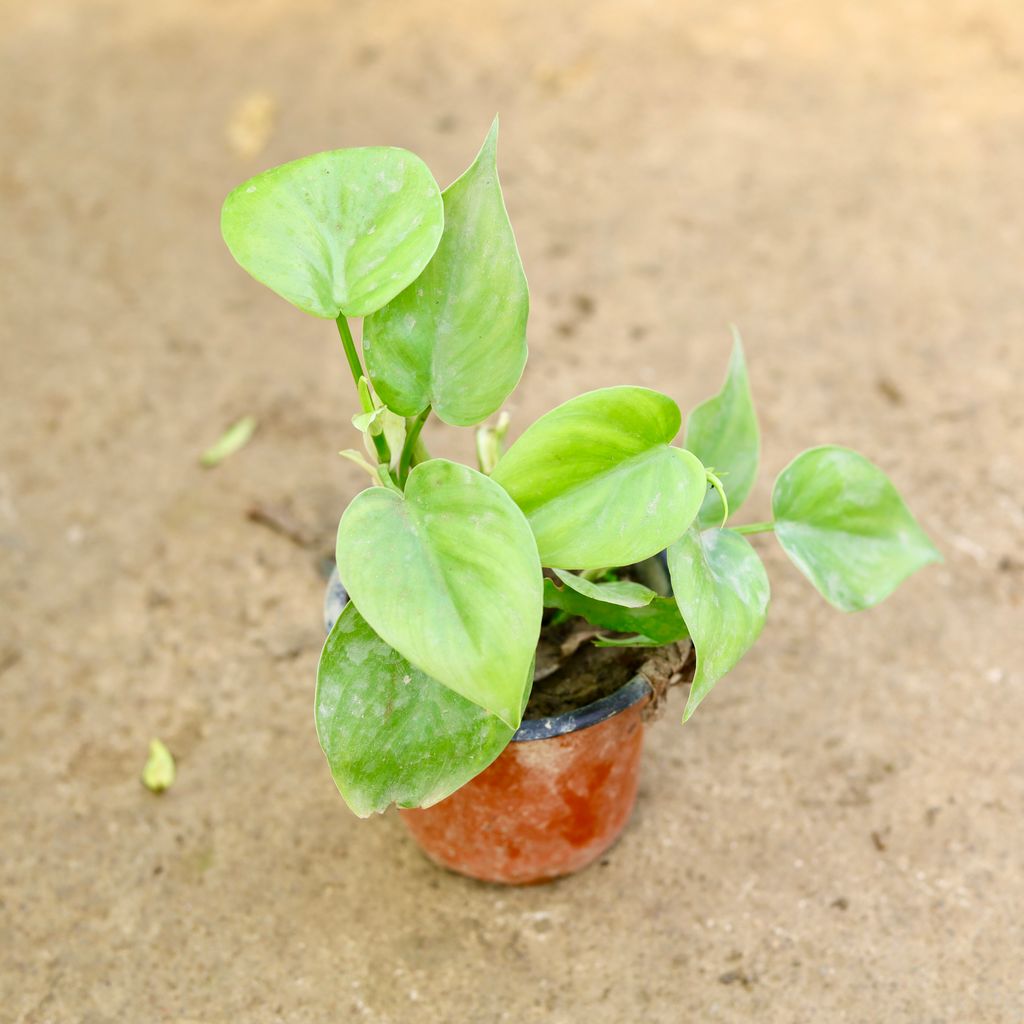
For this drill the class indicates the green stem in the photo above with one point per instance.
(349, 345)
(717, 484)
(411, 437)
(489, 442)
(755, 528)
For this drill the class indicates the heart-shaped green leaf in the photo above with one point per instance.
(845, 527)
(660, 620)
(391, 733)
(625, 593)
(448, 575)
(722, 591)
(337, 232)
(723, 433)
(455, 339)
(599, 482)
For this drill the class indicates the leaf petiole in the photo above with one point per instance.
(489, 443)
(717, 484)
(349, 345)
(765, 527)
(412, 436)
(639, 640)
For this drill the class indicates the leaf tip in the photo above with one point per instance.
(933, 556)
(737, 341)
(489, 150)
(512, 717)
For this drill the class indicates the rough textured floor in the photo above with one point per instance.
(838, 835)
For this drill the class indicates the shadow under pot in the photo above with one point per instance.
(556, 798)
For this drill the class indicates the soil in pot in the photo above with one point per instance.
(571, 672)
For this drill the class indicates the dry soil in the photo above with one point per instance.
(837, 835)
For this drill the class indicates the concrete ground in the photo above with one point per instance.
(838, 834)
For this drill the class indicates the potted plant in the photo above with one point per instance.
(497, 633)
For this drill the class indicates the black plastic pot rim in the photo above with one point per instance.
(583, 718)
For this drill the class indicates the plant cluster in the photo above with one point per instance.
(425, 675)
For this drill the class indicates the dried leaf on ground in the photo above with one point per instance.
(251, 123)
(159, 771)
(232, 440)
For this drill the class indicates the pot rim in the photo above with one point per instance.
(630, 693)
(530, 729)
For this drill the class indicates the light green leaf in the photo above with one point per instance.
(337, 232)
(723, 433)
(391, 733)
(846, 528)
(159, 771)
(660, 620)
(448, 575)
(395, 429)
(455, 339)
(599, 482)
(722, 590)
(381, 421)
(370, 422)
(234, 439)
(621, 592)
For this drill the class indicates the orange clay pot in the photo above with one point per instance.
(555, 799)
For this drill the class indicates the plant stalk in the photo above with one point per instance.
(412, 436)
(766, 527)
(349, 345)
(717, 484)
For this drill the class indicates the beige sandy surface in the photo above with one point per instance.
(839, 833)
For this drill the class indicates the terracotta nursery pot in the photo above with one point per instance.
(553, 801)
